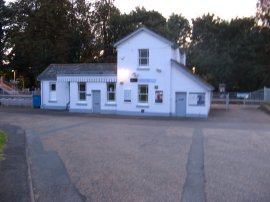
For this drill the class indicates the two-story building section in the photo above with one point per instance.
(150, 78)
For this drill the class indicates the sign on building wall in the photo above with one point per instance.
(159, 96)
(127, 95)
(196, 99)
(147, 80)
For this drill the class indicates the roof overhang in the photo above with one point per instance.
(144, 29)
(91, 79)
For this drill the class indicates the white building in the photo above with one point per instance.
(150, 78)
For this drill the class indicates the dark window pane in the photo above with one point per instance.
(53, 87)
(144, 53)
(111, 96)
(82, 87)
(82, 96)
(143, 61)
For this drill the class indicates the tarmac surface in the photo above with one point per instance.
(82, 157)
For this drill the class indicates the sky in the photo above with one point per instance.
(225, 9)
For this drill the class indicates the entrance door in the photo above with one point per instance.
(180, 104)
(96, 101)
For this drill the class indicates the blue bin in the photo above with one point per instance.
(36, 101)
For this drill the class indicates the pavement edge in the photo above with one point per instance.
(29, 174)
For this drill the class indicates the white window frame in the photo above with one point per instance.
(81, 92)
(143, 57)
(111, 91)
(140, 94)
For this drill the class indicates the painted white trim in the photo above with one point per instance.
(91, 79)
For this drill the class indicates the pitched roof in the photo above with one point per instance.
(54, 70)
(144, 29)
(194, 77)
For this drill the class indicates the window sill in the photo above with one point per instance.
(142, 105)
(81, 104)
(52, 101)
(143, 68)
(197, 105)
(111, 104)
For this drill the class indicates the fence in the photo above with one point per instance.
(255, 97)
(20, 102)
(21, 99)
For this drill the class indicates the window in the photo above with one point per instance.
(127, 95)
(82, 91)
(159, 96)
(143, 93)
(196, 99)
(53, 87)
(111, 91)
(52, 93)
(143, 57)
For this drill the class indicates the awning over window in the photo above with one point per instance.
(91, 79)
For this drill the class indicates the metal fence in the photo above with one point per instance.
(255, 97)
(20, 99)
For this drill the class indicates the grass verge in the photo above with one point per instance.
(3, 140)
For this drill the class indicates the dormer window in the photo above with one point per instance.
(143, 57)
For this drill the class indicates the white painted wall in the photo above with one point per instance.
(61, 96)
(128, 63)
(160, 74)
(182, 83)
(86, 106)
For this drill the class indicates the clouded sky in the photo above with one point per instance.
(225, 9)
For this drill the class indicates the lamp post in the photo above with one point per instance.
(193, 70)
(14, 78)
(14, 75)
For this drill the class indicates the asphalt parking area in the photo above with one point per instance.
(87, 158)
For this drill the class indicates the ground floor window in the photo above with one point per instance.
(143, 93)
(52, 91)
(159, 96)
(82, 91)
(196, 99)
(111, 92)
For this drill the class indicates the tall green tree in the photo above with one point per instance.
(3, 22)
(40, 33)
(179, 30)
(151, 19)
(228, 52)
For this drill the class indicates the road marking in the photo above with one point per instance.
(193, 190)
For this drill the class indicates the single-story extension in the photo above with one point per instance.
(150, 78)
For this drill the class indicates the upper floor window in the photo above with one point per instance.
(143, 93)
(82, 91)
(143, 57)
(111, 91)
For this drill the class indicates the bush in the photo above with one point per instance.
(3, 140)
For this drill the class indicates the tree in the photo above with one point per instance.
(179, 30)
(3, 22)
(40, 33)
(151, 19)
(263, 12)
(229, 52)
